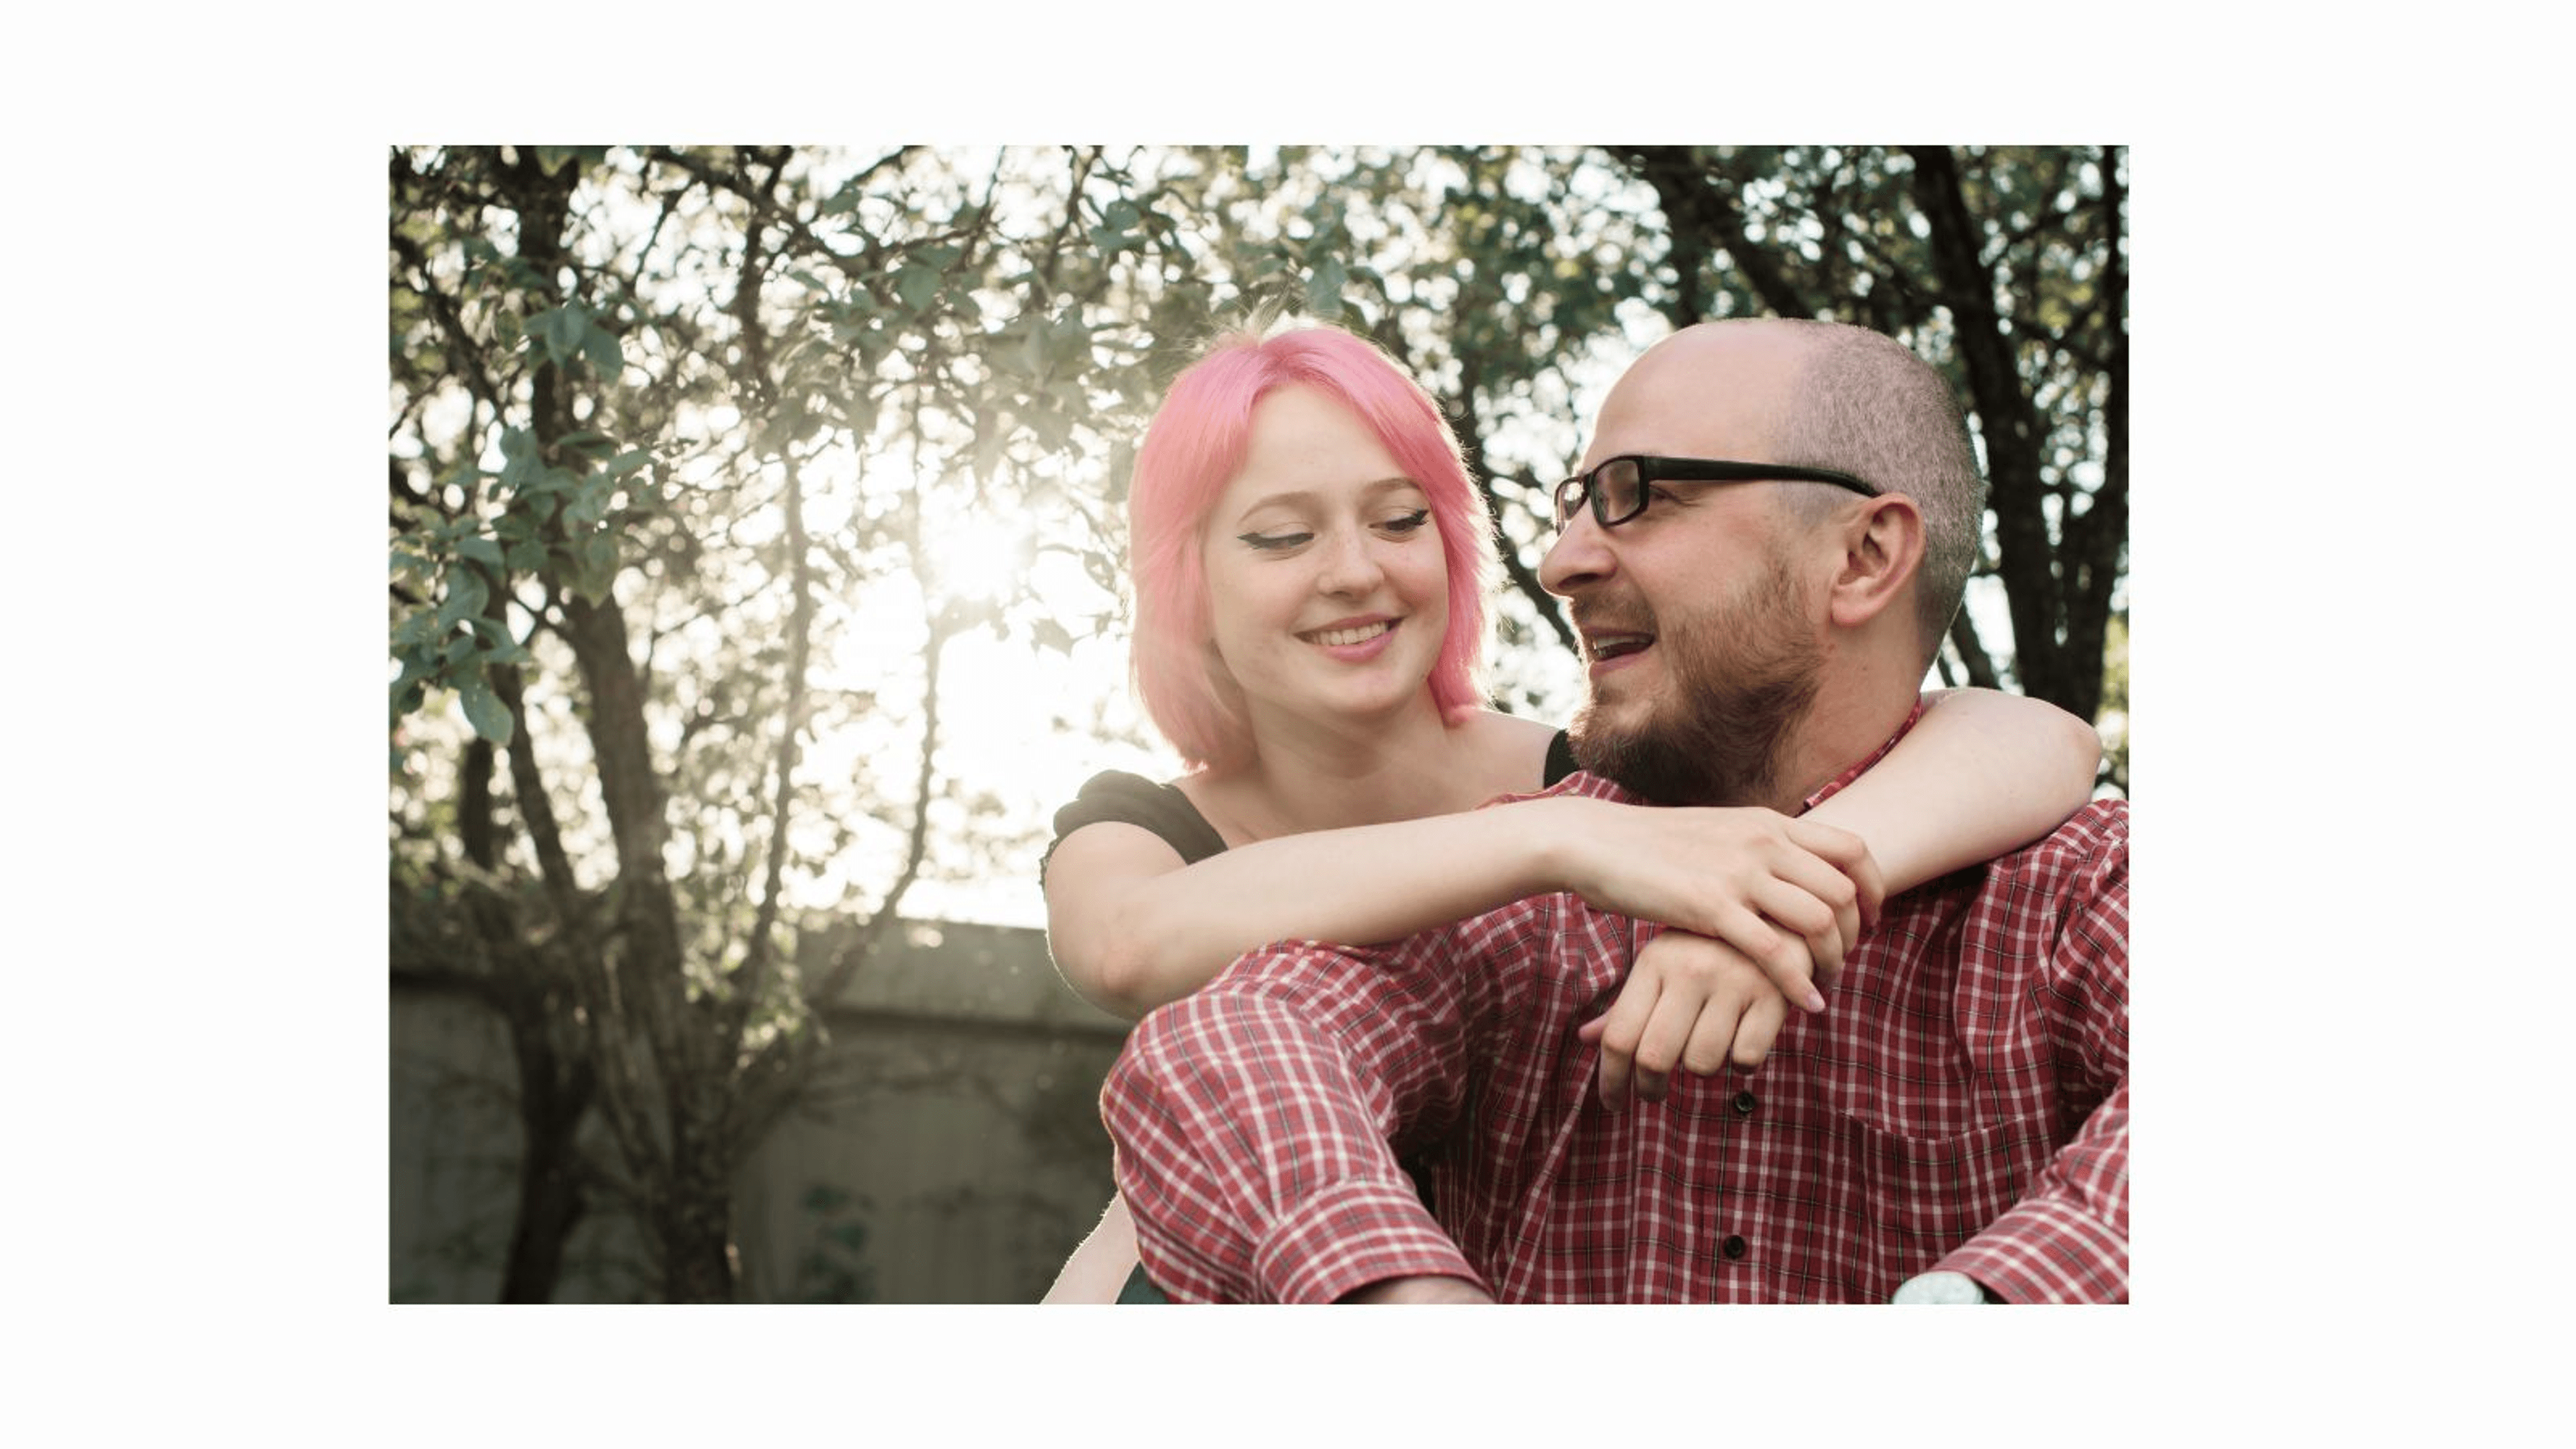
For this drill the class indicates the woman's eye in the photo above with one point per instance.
(1407, 522)
(1272, 542)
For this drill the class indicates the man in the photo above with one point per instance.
(1771, 534)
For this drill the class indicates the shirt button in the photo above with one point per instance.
(1733, 1247)
(1744, 1104)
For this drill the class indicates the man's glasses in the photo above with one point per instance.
(1619, 488)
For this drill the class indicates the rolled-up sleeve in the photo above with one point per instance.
(1254, 1120)
(2067, 1240)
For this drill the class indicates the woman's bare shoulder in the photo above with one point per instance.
(1510, 751)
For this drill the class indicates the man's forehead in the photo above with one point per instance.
(1710, 392)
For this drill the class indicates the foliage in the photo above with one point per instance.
(2005, 265)
(2115, 706)
(678, 434)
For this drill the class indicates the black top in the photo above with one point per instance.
(1164, 810)
(1134, 800)
(1560, 759)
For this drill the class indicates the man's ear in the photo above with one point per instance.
(1882, 547)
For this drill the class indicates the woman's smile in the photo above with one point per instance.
(1353, 640)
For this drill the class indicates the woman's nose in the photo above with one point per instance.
(1349, 566)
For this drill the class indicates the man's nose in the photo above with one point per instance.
(1580, 556)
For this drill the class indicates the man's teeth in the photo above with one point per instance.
(1335, 638)
(1611, 646)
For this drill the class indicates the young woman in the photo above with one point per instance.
(1310, 562)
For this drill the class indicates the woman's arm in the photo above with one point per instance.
(1097, 1272)
(1981, 773)
(1131, 927)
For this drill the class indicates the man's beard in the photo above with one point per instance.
(1738, 680)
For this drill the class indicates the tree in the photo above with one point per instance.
(623, 385)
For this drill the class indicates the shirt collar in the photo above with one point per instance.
(1835, 785)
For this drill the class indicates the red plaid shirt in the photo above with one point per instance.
(1962, 1103)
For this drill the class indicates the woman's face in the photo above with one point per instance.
(1326, 584)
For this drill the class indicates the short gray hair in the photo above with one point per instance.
(1867, 405)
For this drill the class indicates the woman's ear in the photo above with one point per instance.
(1882, 552)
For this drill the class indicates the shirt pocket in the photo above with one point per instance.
(1917, 1198)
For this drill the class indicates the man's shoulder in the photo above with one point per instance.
(2100, 829)
(2088, 854)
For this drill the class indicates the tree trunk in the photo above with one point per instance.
(552, 1101)
(2013, 437)
(696, 1221)
(555, 1083)
(674, 1090)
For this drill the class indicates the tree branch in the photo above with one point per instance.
(1694, 205)
(1972, 652)
(1471, 441)
(800, 628)
(2011, 428)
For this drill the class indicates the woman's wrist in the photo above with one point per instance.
(1561, 838)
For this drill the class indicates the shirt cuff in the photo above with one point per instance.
(2046, 1251)
(1340, 1241)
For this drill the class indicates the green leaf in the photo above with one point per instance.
(626, 462)
(1033, 353)
(990, 440)
(1051, 427)
(1053, 635)
(1324, 289)
(480, 549)
(485, 711)
(589, 500)
(597, 566)
(464, 598)
(859, 413)
(916, 285)
(416, 630)
(607, 356)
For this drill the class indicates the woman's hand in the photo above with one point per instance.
(1691, 1003)
(1791, 896)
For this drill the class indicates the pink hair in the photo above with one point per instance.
(1194, 447)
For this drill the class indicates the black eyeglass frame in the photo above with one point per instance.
(1652, 470)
